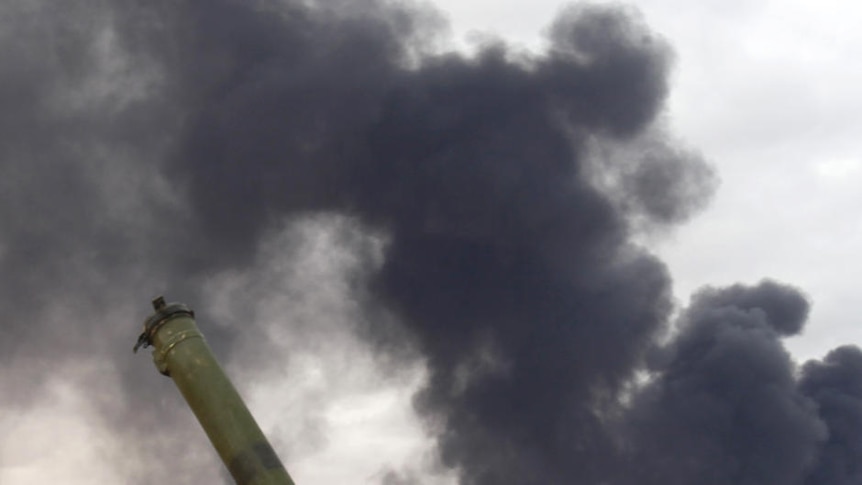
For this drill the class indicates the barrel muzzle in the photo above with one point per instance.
(164, 312)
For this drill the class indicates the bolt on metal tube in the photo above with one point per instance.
(181, 353)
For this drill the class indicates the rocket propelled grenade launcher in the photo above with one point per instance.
(181, 353)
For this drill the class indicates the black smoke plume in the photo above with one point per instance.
(725, 405)
(147, 146)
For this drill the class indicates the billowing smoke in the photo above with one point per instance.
(148, 146)
(724, 406)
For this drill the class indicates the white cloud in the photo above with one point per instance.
(61, 439)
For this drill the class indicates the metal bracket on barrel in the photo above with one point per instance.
(164, 313)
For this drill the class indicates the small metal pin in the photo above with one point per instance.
(143, 341)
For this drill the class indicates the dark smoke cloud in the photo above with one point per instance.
(149, 146)
(511, 270)
(89, 227)
(781, 309)
(835, 386)
(725, 406)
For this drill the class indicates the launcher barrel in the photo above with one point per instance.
(181, 353)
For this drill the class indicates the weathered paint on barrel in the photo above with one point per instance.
(181, 353)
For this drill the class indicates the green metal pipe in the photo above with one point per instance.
(180, 352)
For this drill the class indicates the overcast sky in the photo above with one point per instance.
(767, 92)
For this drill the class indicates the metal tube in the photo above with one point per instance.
(181, 353)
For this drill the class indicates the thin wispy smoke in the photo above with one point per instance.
(492, 202)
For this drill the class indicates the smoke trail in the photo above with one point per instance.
(151, 146)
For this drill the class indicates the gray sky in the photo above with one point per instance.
(767, 92)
